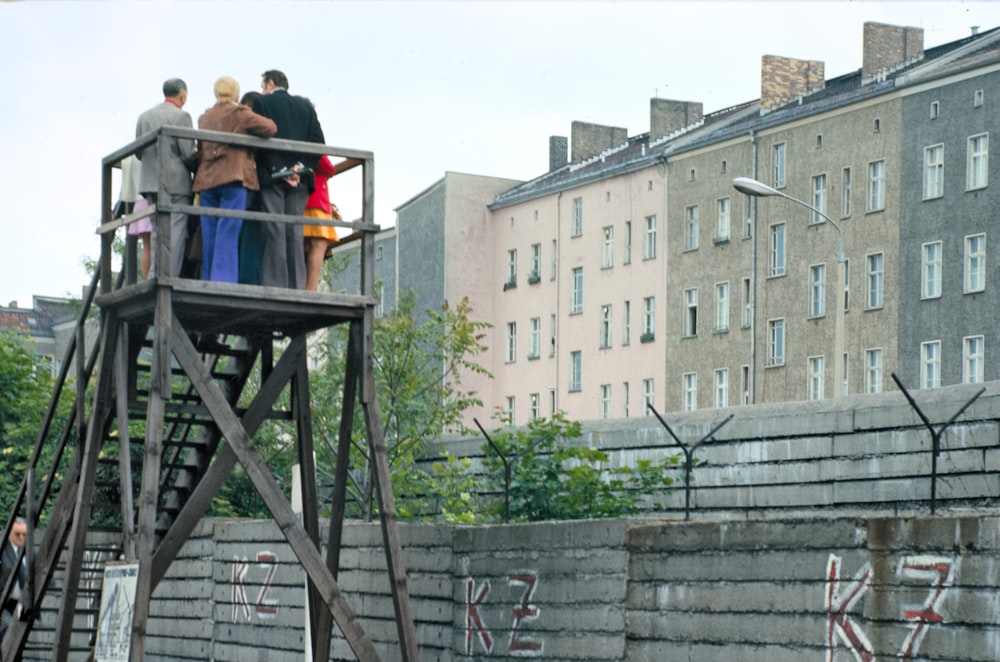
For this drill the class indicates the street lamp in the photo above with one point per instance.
(758, 189)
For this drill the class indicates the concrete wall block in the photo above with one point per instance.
(646, 569)
(744, 628)
(171, 647)
(564, 535)
(750, 451)
(656, 651)
(783, 597)
(185, 609)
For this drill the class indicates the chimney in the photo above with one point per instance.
(886, 47)
(592, 139)
(558, 151)
(667, 116)
(783, 79)
(12, 304)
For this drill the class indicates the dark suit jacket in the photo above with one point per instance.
(296, 120)
(7, 563)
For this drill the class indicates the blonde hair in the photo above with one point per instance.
(227, 90)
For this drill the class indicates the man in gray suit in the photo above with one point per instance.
(8, 559)
(180, 162)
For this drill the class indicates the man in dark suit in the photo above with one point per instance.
(282, 246)
(180, 162)
(8, 561)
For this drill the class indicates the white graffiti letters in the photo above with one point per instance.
(939, 572)
(840, 597)
(265, 607)
(522, 612)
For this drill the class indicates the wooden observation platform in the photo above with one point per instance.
(198, 425)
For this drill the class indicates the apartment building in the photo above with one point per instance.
(633, 273)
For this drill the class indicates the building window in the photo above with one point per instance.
(605, 401)
(933, 172)
(511, 269)
(722, 222)
(819, 140)
(576, 293)
(977, 98)
(816, 377)
(745, 384)
(845, 193)
(511, 342)
(930, 270)
(972, 359)
(575, 370)
(691, 313)
(552, 401)
(930, 364)
(876, 186)
(625, 399)
(819, 198)
(691, 175)
(776, 251)
(508, 409)
(935, 109)
(606, 326)
(378, 253)
(648, 395)
(536, 264)
(847, 284)
(721, 307)
(978, 162)
(554, 267)
(691, 229)
(876, 125)
(721, 388)
(627, 258)
(975, 263)
(817, 290)
(775, 342)
(626, 324)
(873, 371)
(690, 391)
(778, 164)
(748, 216)
(608, 248)
(534, 406)
(552, 335)
(746, 317)
(648, 319)
(535, 338)
(649, 245)
(876, 280)
(577, 224)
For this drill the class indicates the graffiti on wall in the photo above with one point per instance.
(265, 606)
(938, 572)
(477, 630)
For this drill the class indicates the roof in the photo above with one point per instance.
(639, 152)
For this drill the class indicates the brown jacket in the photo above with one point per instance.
(225, 164)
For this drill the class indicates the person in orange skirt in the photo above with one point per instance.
(319, 238)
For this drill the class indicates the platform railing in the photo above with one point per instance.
(345, 160)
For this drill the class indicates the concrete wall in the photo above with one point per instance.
(640, 590)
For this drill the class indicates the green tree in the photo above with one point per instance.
(549, 475)
(26, 387)
(419, 362)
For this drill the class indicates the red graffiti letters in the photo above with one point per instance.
(838, 601)
(523, 612)
(939, 572)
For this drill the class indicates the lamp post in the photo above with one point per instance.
(760, 190)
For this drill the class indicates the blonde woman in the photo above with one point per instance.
(224, 176)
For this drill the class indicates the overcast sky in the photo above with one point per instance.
(429, 87)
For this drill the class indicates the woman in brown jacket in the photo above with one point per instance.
(224, 176)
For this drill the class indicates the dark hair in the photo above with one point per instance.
(173, 86)
(249, 97)
(278, 78)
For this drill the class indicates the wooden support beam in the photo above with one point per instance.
(324, 629)
(91, 448)
(307, 475)
(270, 492)
(390, 535)
(201, 498)
(122, 382)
